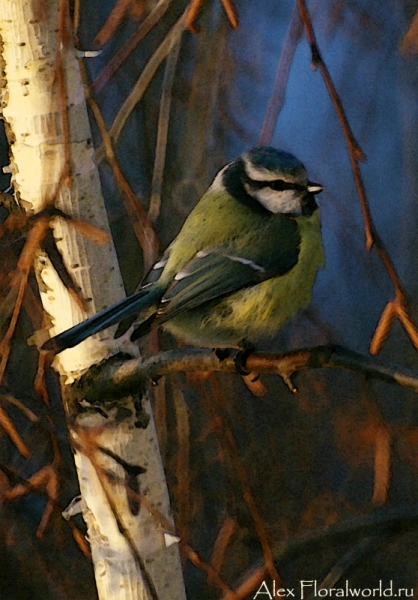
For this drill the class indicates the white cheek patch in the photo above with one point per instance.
(217, 184)
(286, 201)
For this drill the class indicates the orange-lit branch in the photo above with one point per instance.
(140, 221)
(196, 6)
(398, 305)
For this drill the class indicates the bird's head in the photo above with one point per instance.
(270, 180)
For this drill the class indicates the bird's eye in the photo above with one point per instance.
(277, 185)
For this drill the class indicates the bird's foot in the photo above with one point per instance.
(155, 379)
(250, 378)
(240, 360)
(240, 357)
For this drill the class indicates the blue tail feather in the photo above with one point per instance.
(135, 304)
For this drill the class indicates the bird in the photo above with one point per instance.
(243, 264)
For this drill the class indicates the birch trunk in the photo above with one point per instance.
(136, 565)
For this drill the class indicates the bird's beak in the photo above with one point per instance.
(314, 188)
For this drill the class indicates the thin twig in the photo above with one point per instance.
(190, 553)
(182, 461)
(140, 221)
(247, 493)
(33, 241)
(43, 493)
(251, 581)
(228, 529)
(231, 13)
(383, 327)
(192, 14)
(76, 17)
(117, 61)
(409, 43)
(215, 578)
(196, 6)
(381, 522)
(119, 11)
(363, 547)
(277, 97)
(382, 466)
(8, 426)
(355, 153)
(146, 76)
(29, 414)
(162, 132)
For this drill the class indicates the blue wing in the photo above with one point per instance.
(213, 274)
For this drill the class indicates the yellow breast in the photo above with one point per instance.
(261, 310)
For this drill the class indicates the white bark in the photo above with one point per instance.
(32, 108)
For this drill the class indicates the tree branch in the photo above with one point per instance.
(121, 375)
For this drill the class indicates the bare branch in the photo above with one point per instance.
(146, 76)
(120, 57)
(409, 43)
(120, 376)
(373, 238)
(277, 98)
(119, 11)
(196, 6)
(162, 132)
(351, 557)
(378, 524)
(140, 221)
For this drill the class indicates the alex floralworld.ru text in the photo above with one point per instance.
(309, 588)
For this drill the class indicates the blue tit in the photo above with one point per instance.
(243, 264)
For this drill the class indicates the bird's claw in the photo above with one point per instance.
(240, 361)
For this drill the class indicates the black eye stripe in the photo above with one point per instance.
(235, 179)
(278, 185)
